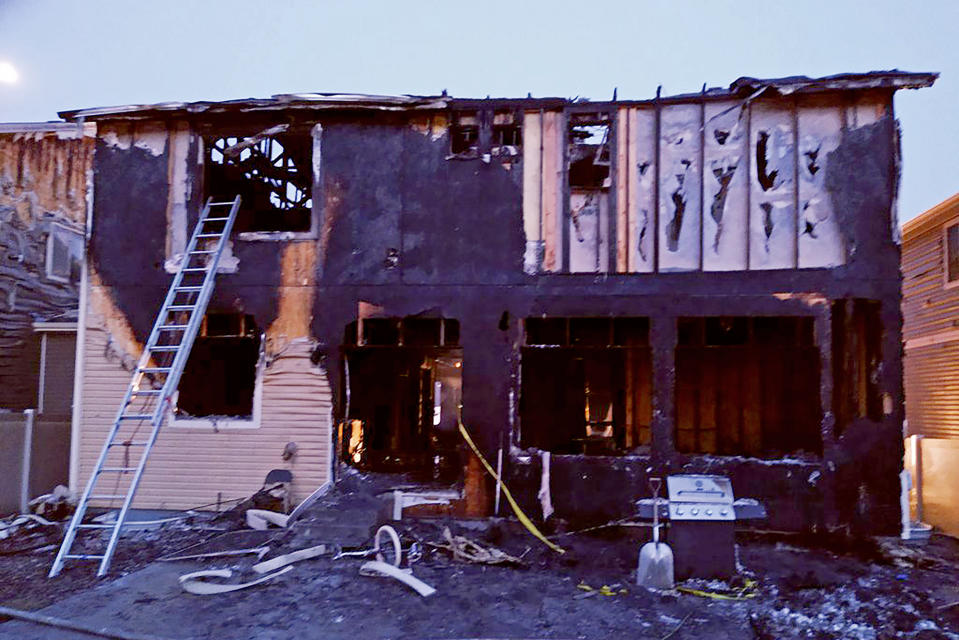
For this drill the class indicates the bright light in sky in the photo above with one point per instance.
(8, 73)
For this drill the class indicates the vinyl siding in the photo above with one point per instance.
(190, 467)
(930, 329)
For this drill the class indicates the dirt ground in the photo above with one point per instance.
(804, 588)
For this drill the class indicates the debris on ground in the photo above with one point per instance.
(466, 550)
(56, 505)
(789, 586)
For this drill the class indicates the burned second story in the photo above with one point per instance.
(780, 178)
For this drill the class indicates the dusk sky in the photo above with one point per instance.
(74, 54)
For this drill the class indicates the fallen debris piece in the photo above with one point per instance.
(394, 538)
(289, 558)
(260, 519)
(748, 590)
(192, 582)
(605, 590)
(58, 504)
(406, 577)
(60, 623)
(7, 529)
(462, 548)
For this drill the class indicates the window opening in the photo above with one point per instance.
(588, 173)
(64, 254)
(464, 134)
(586, 385)
(747, 386)
(273, 175)
(952, 253)
(220, 375)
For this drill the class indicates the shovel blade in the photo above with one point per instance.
(655, 569)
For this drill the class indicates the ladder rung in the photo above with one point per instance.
(173, 327)
(165, 347)
(118, 469)
(137, 416)
(147, 392)
(94, 526)
(129, 444)
(180, 307)
(202, 251)
(195, 269)
(215, 219)
(105, 497)
(82, 556)
(189, 288)
(155, 369)
(210, 235)
(221, 204)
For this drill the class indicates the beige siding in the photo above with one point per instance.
(190, 467)
(930, 326)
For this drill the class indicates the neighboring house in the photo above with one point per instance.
(930, 269)
(45, 170)
(703, 283)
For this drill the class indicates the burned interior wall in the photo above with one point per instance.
(44, 173)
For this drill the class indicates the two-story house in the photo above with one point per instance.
(705, 282)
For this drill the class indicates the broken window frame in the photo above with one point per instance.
(950, 277)
(247, 133)
(71, 241)
(217, 423)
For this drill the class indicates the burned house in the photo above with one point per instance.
(705, 282)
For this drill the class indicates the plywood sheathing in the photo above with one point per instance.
(296, 291)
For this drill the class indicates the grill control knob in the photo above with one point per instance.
(679, 512)
(709, 512)
(694, 511)
(723, 512)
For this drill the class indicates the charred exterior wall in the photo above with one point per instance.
(44, 173)
(406, 227)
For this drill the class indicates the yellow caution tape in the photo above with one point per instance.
(509, 497)
(744, 593)
(604, 590)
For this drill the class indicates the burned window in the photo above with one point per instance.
(589, 158)
(507, 134)
(220, 376)
(64, 254)
(403, 380)
(951, 253)
(586, 385)
(273, 175)
(747, 386)
(589, 182)
(464, 134)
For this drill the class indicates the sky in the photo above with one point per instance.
(74, 54)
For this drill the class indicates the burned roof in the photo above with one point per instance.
(743, 87)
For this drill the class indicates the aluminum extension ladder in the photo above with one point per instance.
(147, 400)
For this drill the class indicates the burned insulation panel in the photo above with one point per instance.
(586, 385)
(747, 386)
(726, 187)
(772, 216)
(273, 175)
(680, 189)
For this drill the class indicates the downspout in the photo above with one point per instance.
(77, 409)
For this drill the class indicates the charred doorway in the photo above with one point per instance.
(403, 396)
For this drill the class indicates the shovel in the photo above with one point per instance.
(655, 569)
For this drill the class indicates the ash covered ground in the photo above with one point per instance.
(799, 587)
